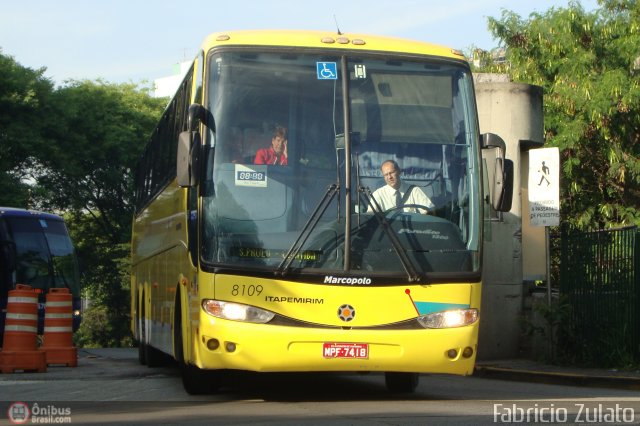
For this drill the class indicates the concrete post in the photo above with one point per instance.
(514, 112)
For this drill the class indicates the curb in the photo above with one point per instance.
(561, 378)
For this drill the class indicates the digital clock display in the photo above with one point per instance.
(251, 175)
(254, 176)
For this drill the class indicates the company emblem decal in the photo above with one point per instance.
(346, 312)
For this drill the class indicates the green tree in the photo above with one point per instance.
(23, 94)
(94, 134)
(77, 146)
(588, 64)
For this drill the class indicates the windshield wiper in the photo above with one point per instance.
(308, 228)
(408, 266)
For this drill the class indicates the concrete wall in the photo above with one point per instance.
(514, 112)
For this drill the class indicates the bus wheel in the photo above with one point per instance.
(142, 353)
(194, 380)
(197, 381)
(155, 358)
(142, 346)
(401, 382)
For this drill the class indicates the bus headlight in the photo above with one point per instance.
(449, 319)
(236, 311)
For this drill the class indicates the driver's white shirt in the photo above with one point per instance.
(386, 198)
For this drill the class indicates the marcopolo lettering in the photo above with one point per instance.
(330, 279)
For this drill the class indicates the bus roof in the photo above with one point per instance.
(15, 212)
(322, 39)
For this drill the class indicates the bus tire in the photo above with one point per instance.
(142, 353)
(142, 346)
(401, 382)
(178, 348)
(195, 381)
(155, 358)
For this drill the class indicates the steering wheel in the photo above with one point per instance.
(401, 207)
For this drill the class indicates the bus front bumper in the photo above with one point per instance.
(224, 344)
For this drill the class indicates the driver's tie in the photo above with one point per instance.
(398, 199)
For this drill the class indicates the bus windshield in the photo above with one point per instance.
(44, 254)
(308, 206)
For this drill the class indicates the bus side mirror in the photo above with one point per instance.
(502, 194)
(188, 159)
(502, 185)
(189, 146)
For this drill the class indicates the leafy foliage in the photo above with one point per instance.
(97, 330)
(95, 135)
(588, 64)
(105, 279)
(23, 94)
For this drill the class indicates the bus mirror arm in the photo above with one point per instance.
(491, 140)
(197, 114)
(502, 193)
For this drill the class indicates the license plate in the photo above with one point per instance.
(345, 350)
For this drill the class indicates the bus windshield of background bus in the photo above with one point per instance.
(419, 114)
(44, 254)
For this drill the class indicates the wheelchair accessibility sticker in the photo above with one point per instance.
(327, 70)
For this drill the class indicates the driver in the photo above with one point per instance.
(277, 153)
(397, 193)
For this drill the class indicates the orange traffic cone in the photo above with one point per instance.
(19, 345)
(58, 329)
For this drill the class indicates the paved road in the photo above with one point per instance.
(109, 387)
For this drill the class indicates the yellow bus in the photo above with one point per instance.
(259, 240)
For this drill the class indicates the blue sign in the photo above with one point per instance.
(327, 70)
